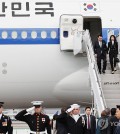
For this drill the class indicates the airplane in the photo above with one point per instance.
(33, 66)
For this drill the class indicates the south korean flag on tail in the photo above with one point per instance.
(90, 6)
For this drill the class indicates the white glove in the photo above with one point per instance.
(69, 110)
(30, 109)
(83, 121)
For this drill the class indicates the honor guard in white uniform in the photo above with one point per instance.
(5, 122)
(37, 122)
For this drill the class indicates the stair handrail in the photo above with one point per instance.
(94, 75)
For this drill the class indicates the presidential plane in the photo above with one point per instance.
(37, 62)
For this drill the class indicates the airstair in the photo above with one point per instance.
(95, 79)
(111, 86)
(105, 87)
(72, 37)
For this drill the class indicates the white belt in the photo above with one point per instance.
(33, 132)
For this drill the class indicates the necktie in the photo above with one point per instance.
(100, 43)
(88, 122)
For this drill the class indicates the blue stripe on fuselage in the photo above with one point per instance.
(39, 40)
(29, 40)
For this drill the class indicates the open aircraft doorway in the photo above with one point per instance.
(94, 25)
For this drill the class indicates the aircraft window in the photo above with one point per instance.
(24, 34)
(43, 34)
(14, 34)
(53, 34)
(4, 34)
(65, 34)
(34, 34)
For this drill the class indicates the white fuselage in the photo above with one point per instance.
(41, 71)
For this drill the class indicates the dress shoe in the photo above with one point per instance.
(103, 71)
(112, 72)
(115, 69)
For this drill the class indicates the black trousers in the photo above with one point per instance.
(99, 59)
(112, 60)
(88, 131)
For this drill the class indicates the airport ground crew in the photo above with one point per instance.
(5, 122)
(38, 122)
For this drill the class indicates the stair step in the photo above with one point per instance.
(112, 102)
(113, 91)
(110, 77)
(110, 72)
(112, 96)
(111, 88)
(111, 85)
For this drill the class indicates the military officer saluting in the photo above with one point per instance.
(72, 120)
(38, 121)
(5, 122)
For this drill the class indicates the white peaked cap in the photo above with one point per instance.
(37, 103)
(75, 106)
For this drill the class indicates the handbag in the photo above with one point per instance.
(117, 59)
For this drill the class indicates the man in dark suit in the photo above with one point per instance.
(117, 131)
(38, 121)
(90, 122)
(100, 50)
(5, 122)
(60, 127)
(113, 121)
(72, 119)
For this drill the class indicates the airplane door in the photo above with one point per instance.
(69, 24)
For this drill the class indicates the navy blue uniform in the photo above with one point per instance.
(73, 127)
(36, 122)
(6, 125)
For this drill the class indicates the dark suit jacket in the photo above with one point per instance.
(92, 123)
(73, 127)
(100, 50)
(60, 127)
(6, 125)
(113, 124)
(113, 49)
(117, 131)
